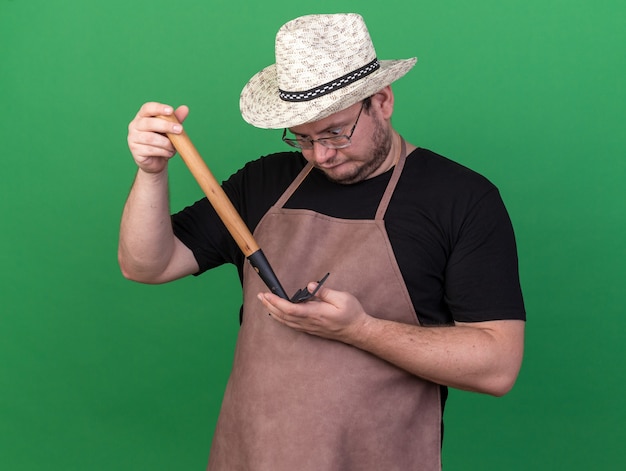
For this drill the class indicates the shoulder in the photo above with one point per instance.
(273, 172)
(255, 187)
(436, 171)
(439, 183)
(274, 166)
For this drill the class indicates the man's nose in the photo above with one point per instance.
(322, 154)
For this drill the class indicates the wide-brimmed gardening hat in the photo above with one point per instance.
(324, 64)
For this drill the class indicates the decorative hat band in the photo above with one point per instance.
(329, 87)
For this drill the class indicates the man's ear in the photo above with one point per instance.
(382, 102)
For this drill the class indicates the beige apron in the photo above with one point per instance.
(297, 402)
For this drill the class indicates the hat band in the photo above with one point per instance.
(330, 86)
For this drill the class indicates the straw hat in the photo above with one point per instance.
(324, 64)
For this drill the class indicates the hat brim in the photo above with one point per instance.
(262, 107)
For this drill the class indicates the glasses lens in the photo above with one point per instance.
(294, 142)
(335, 142)
(338, 142)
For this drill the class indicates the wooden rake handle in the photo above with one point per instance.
(213, 191)
(224, 208)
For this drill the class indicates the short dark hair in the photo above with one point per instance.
(367, 104)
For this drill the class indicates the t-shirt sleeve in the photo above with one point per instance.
(482, 278)
(199, 227)
(252, 190)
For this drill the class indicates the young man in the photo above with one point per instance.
(423, 293)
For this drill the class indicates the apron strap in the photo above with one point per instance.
(391, 186)
(384, 202)
(294, 185)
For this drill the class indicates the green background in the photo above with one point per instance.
(100, 373)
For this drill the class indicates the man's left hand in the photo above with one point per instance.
(331, 314)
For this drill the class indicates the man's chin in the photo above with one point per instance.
(343, 174)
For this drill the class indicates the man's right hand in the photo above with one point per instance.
(147, 142)
(148, 251)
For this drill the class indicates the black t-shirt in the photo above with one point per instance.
(448, 227)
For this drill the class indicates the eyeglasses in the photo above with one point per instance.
(332, 142)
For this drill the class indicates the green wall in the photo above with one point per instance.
(100, 373)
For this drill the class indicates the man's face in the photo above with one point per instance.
(366, 157)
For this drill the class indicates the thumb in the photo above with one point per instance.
(181, 113)
(323, 293)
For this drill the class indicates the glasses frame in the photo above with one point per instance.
(327, 142)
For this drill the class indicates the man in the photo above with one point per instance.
(423, 290)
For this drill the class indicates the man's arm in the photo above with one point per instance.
(482, 357)
(148, 250)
